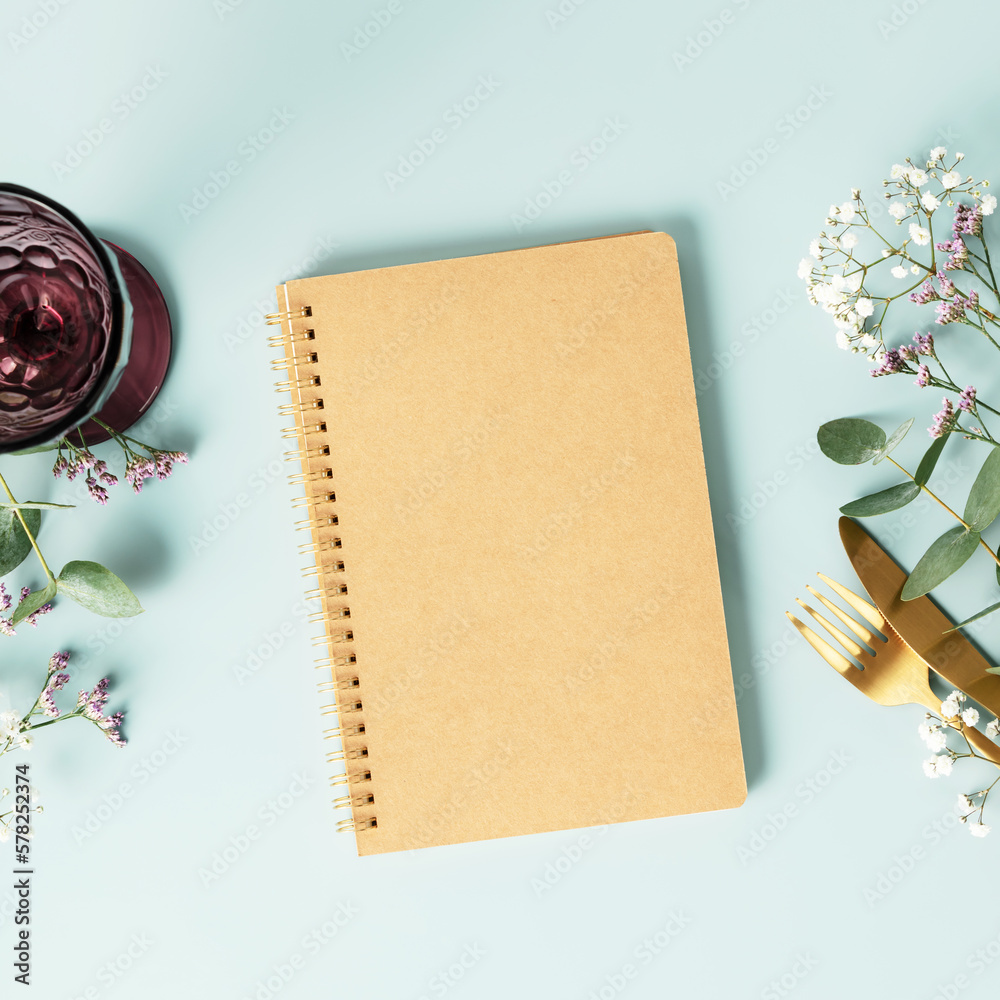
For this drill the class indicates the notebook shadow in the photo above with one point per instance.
(716, 442)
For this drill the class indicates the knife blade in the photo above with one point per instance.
(920, 623)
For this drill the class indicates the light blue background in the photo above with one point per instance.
(116, 872)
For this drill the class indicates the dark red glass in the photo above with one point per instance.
(84, 330)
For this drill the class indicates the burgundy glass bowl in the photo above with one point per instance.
(84, 330)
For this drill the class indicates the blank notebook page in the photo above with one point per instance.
(536, 623)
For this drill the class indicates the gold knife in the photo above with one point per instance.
(920, 623)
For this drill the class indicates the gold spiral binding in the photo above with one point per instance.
(354, 825)
(347, 753)
(339, 732)
(331, 614)
(349, 684)
(306, 382)
(343, 705)
(317, 451)
(277, 318)
(299, 478)
(346, 801)
(282, 339)
(314, 501)
(328, 662)
(290, 409)
(333, 637)
(294, 361)
(354, 778)
(294, 432)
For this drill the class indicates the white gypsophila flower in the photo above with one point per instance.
(978, 829)
(869, 342)
(938, 153)
(898, 170)
(897, 209)
(929, 201)
(960, 156)
(805, 268)
(919, 235)
(4, 833)
(916, 176)
(865, 307)
(944, 764)
(951, 179)
(847, 212)
(988, 204)
(931, 767)
(852, 282)
(10, 725)
(898, 271)
(949, 707)
(914, 269)
(964, 804)
(993, 729)
(843, 341)
(815, 250)
(936, 740)
(970, 716)
(849, 240)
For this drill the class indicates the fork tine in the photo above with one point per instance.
(856, 627)
(845, 640)
(837, 660)
(869, 612)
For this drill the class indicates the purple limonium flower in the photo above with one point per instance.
(959, 253)
(58, 661)
(967, 399)
(926, 293)
(32, 619)
(48, 705)
(950, 312)
(97, 492)
(943, 421)
(892, 362)
(5, 599)
(968, 220)
(946, 285)
(923, 378)
(925, 343)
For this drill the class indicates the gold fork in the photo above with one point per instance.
(894, 674)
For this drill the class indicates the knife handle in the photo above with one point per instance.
(957, 662)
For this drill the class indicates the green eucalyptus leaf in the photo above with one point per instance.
(974, 618)
(98, 589)
(927, 463)
(14, 543)
(983, 504)
(944, 557)
(851, 441)
(37, 505)
(881, 503)
(897, 435)
(34, 601)
(38, 448)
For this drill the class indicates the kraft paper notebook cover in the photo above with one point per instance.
(516, 567)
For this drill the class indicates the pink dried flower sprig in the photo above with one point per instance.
(7, 602)
(142, 462)
(16, 732)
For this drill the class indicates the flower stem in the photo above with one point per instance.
(934, 496)
(27, 530)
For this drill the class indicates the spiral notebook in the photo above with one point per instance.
(517, 577)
